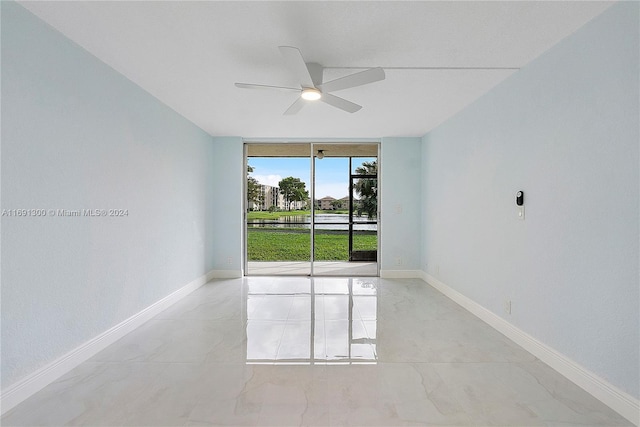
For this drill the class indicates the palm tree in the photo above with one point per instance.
(367, 189)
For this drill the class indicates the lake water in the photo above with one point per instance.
(320, 219)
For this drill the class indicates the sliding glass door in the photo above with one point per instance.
(311, 209)
(278, 211)
(345, 216)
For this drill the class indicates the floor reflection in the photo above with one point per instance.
(312, 321)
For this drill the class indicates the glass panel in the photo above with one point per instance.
(278, 211)
(345, 230)
(365, 237)
(365, 189)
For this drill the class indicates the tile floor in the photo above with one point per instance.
(324, 351)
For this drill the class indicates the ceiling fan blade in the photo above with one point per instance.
(294, 60)
(295, 107)
(340, 103)
(358, 79)
(255, 86)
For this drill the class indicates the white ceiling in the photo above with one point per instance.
(189, 54)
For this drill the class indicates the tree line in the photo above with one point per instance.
(294, 190)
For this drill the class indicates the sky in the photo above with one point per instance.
(332, 173)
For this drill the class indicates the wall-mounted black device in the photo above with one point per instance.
(520, 198)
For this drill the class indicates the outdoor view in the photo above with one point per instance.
(279, 209)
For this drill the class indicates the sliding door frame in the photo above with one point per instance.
(312, 177)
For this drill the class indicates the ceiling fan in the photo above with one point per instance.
(311, 86)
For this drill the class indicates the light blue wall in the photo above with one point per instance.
(229, 174)
(565, 130)
(401, 203)
(78, 135)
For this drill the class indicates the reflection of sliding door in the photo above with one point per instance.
(278, 215)
(309, 321)
(311, 209)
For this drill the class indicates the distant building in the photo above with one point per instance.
(272, 197)
(325, 203)
(345, 203)
(269, 196)
(295, 205)
(328, 203)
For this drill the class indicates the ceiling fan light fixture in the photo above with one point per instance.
(309, 76)
(311, 94)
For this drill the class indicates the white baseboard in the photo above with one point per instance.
(226, 274)
(44, 376)
(401, 274)
(621, 402)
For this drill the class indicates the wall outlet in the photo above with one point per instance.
(399, 261)
(507, 306)
(229, 260)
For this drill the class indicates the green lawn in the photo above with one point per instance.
(294, 245)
